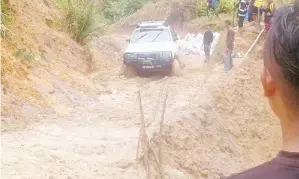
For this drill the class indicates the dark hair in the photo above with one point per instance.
(283, 47)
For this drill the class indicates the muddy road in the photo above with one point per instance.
(98, 138)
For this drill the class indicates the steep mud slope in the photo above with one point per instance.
(40, 82)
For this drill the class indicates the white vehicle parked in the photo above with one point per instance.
(153, 47)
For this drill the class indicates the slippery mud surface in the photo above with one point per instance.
(205, 131)
(75, 117)
(98, 137)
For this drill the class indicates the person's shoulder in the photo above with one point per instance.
(258, 172)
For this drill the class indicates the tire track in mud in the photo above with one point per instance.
(99, 137)
(97, 140)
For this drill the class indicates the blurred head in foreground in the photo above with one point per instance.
(280, 77)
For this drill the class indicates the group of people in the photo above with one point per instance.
(254, 9)
(280, 81)
(229, 45)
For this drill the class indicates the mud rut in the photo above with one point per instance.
(99, 139)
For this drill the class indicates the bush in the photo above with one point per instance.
(202, 8)
(80, 18)
(6, 18)
(224, 6)
(114, 10)
(83, 17)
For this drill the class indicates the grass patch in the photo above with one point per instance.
(7, 18)
(22, 54)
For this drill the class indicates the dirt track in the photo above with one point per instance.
(62, 122)
(99, 138)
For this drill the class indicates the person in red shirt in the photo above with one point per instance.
(280, 79)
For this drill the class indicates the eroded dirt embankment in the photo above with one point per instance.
(225, 128)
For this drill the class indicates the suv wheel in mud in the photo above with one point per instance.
(176, 68)
(128, 71)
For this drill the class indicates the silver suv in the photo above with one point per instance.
(152, 47)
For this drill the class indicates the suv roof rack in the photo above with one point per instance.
(151, 24)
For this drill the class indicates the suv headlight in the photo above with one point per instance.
(166, 55)
(130, 56)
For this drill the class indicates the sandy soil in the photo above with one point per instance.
(84, 122)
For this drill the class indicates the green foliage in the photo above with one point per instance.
(83, 17)
(80, 18)
(22, 54)
(114, 10)
(7, 17)
(224, 6)
(202, 7)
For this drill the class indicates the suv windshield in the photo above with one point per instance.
(151, 35)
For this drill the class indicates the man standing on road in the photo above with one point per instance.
(230, 38)
(207, 41)
(280, 80)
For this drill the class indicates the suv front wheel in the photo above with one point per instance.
(128, 71)
(176, 68)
